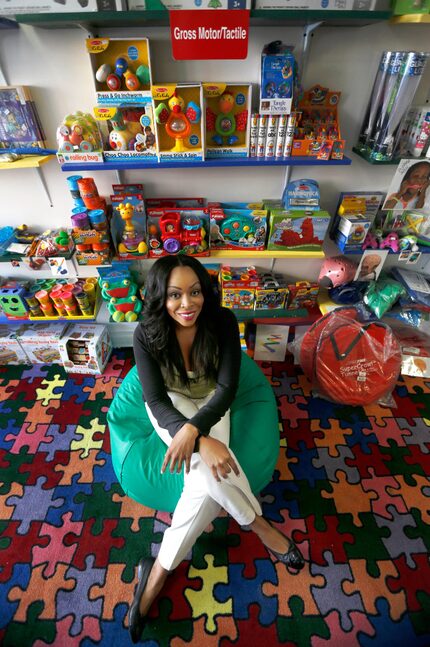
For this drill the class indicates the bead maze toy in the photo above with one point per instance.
(178, 121)
(227, 123)
(122, 70)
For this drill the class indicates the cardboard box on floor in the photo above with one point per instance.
(40, 341)
(85, 348)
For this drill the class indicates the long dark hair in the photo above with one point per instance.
(160, 327)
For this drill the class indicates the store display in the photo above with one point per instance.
(11, 351)
(278, 79)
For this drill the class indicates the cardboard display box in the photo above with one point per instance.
(11, 351)
(85, 348)
(40, 342)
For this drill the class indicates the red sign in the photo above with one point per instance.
(203, 34)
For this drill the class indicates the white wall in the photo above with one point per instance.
(54, 63)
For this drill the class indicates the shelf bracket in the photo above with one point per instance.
(119, 176)
(45, 186)
(287, 177)
(307, 35)
(3, 79)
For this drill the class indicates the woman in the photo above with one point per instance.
(188, 355)
(412, 190)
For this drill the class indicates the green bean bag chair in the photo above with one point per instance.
(138, 452)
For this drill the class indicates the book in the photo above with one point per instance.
(19, 122)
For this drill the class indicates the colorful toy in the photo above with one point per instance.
(78, 132)
(122, 70)
(301, 195)
(227, 108)
(117, 288)
(391, 242)
(370, 241)
(297, 230)
(278, 78)
(178, 231)
(177, 120)
(336, 271)
(133, 241)
(125, 309)
(13, 303)
(238, 228)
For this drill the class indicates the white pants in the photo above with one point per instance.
(203, 496)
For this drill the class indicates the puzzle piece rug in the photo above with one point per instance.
(351, 487)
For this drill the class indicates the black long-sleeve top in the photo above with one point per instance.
(155, 388)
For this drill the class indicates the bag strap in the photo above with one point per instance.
(353, 343)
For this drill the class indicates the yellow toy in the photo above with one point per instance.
(133, 241)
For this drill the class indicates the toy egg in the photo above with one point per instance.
(142, 74)
(131, 81)
(121, 66)
(103, 72)
(113, 82)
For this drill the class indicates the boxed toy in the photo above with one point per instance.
(179, 125)
(189, 4)
(351, 232)
(175, 203)
(227, 111)
(85, 348)
(128, 132)
(302, 294)
(236, 205)
(318, 132)
(301, 195)
(238, 228)
(128, 226)
(122, 70)
(79, 139)
(238, 286)
(278, 69)
(271, 293)
(364, 203)
(11, 351)
(178, 231)
(297, 230)
(41, 342)
(15, 7)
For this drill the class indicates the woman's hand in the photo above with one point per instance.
(180, 450)
(217, 457)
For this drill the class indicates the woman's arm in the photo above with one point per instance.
(153, 386)
(227, 378)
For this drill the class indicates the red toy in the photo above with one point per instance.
(172, 231)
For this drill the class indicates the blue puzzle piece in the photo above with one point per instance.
(395, 634)
(20, 577)
(104, 473)
(61, 439)
(304, 469)
(71, 388)
(68, 493)
(277, 496)
(244, 591)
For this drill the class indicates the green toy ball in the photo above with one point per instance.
(142, 74)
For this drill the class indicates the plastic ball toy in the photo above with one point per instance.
(113, 82)
(103, 72)
(121, 66)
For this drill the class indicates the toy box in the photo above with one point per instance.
(302, 294)
(236, 205)
(189, 4)
(297, 230)
(79, 139)
(175, 203)
(324, 5)
(278, 68)
(178, 231)
(128, 226)
(272, 292)
(179, 124)
(11, 351)
(15, 7)
(85, 348)
(128, 132)
(227, 119)
(40, 341)
(351, 232)
(318, 132)
(122, 70)
(238, 228)
(301, 195)
(238, 286)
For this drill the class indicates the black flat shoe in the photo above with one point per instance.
(136, 622)
(293, 559)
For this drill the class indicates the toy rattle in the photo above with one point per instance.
(132, 240)
(178, 123)
(226, 123)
